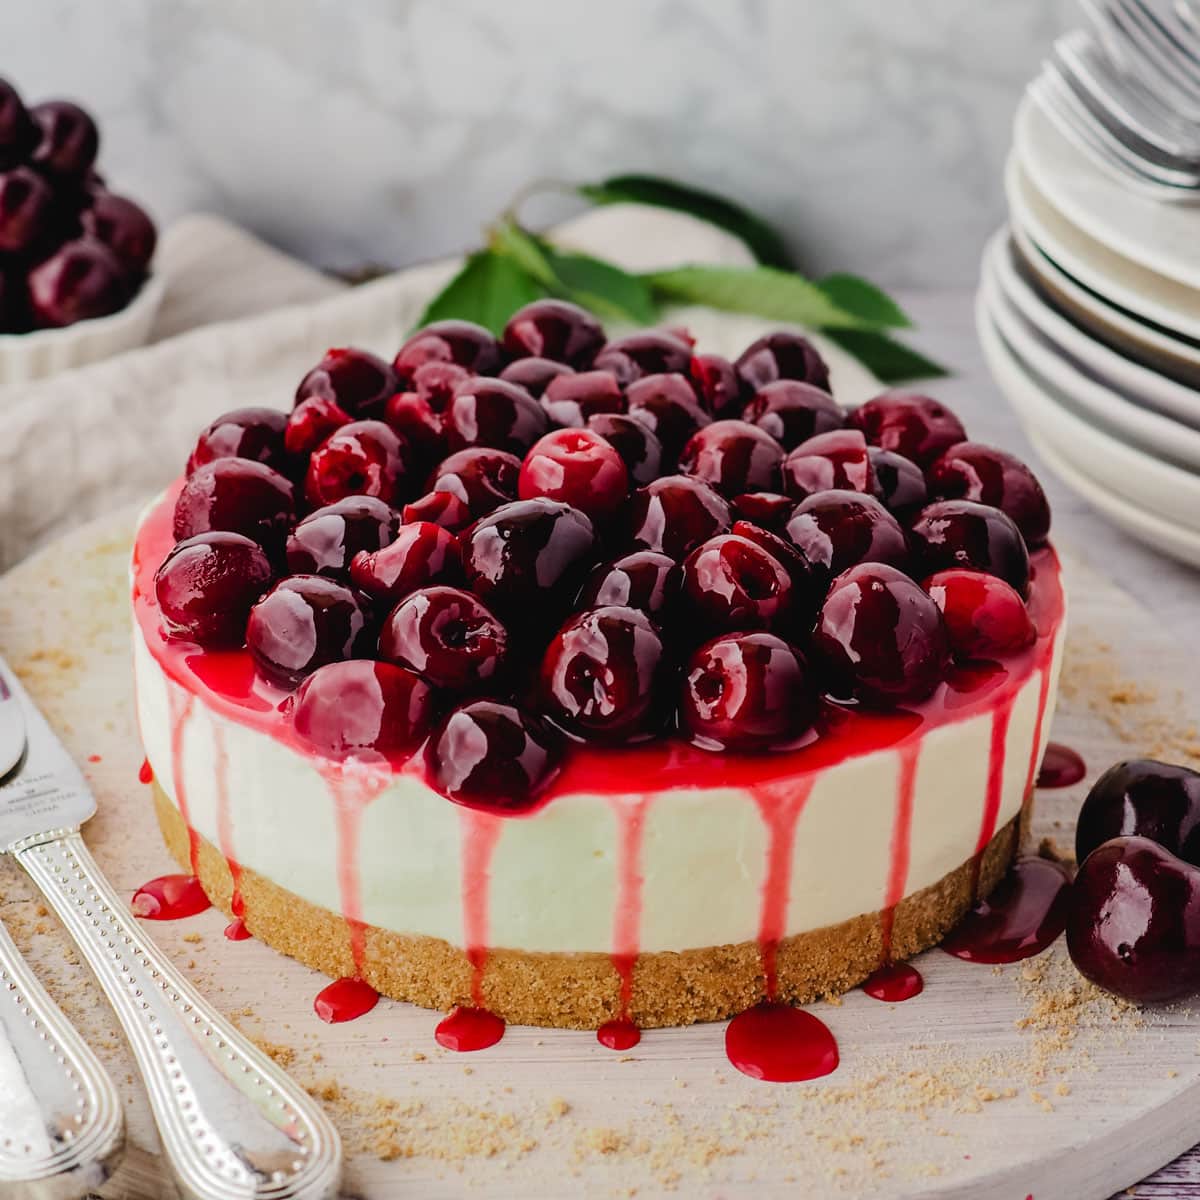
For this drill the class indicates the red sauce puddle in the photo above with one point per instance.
(344, 1000)
(94, 758)
(894, 982)
(468, 1028)
(780, 1044)
(1061, 767)
(146, 772)
(621, 1034)
(236, 930)
(169, 898)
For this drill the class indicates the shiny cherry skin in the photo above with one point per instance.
(26, 211)
(253, 433)
(899, 483)
(421, 554)
(363, 709)
(880, 639)
(639, 448)
(716, 385)
(435, 382)
(1134, 921)
(1146, 798)
(460, 342)
(792, 412)
(439, 508)
(645, 580)
(733, 457)
(556, 330)
(972, 471)
(492, 413)
(329, 538)
(237, 495)
(916, 426)
(535, 374)
(674, 514)
(364, 458)
(359, 382)
(668, 407)
(304, 622)
(571, 399)
(985, 618)
(602, 676)
(836, 530)
(770, 510)
(483, 478)
(80, 281)
(491, 755)
(808, 583)
(17, 130)
(651, 352)
(206, 586)
(412, 418)
(67, 139)
(961, 533)
(447, 636)
(747, 693)
(311, 422)
(731, 582)
(123, 227)
(837, 460)
(528, 557)
(780, 355)
(577, 467)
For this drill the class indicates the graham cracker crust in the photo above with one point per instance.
(582, 991)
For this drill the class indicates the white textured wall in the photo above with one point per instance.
(872, 131)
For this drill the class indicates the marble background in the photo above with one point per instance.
(389, 131)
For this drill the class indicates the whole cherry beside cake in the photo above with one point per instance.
(577, 680)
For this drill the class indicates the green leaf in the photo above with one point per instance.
(508, 238)
(765, 243)
(488, 289)
(890, 360)
(607, 290)
(863, 299)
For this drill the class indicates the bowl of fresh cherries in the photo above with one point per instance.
(75, 258)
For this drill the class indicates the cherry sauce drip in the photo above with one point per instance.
(170, 898)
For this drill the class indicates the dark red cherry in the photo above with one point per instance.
(123, 227)
(668, 407)
(554, 329)
(527, 557)
(716, 384)
(985, 618)
(731, 582)
(359, 382)
(67, 139)
(253, 433)
(80, 281)
(639, 448)
(1134, 921)
(836, 530)
(304, 622)
(26, 210)
(363, 709)
(792, 412)
(490, 412)
(411, 417)
(572, 399)
(311, 422)
(771, 510)
(14, 303)
(460, 342)
(419, 555)
(364, 458)
(328, 539)
(577, 467)
(916, 426)
(439, 508)
(834, 461)
(880, 638)
(899, 482)
(675, 514)
(733, 457)
(780, 355)
(602, 676)
(644, 580)
(961, 533)
(435, 382)
(651, 352)
(747, 692)
(534, 374)
(808, 583)
(972, 471)
(238, 495)
(1157, 800)
(449, 637)
(17, 130)
(490, 755)
(207, 585)
(481, 477)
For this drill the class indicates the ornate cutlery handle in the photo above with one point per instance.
(233, 1125)
(62, 1127)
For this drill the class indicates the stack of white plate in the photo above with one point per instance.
(1089, 315)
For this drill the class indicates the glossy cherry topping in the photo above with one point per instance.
(534, 374)
(652, 352)
(364, 458)
(482, 477)
(572, 399)
(357, 381)
(899, 483)
(780, 355)
(238, 495)
(639, 448)
(792, 412)
(769, 510)
(17, 130)
(304, 622)
(667, 406)
(602, 676)
(326, 541)
(731, 582)
(837, 460)
(556, 330)
(808, 582)
(434, 382)
(420, 554)
(733, 457)
(417, 423)
(460, 342)
(78, 282)
(447, 636)
(26, 210)
(311, 422)
(985, 618)
(491, 755)
(747, 692)
(716, 384)
(913, 425)
(123, 227)
(645, 580)
(67, 138)
(490, 412)
(439, 508)
(254, 433)
(578, 467)
(674, 514)
(835, 530)
(961, 533)
(880, 638)
(972, 471)
(206, 586)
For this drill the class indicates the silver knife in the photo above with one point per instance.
(233, 1125)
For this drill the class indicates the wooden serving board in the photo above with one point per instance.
(1002, 1083)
